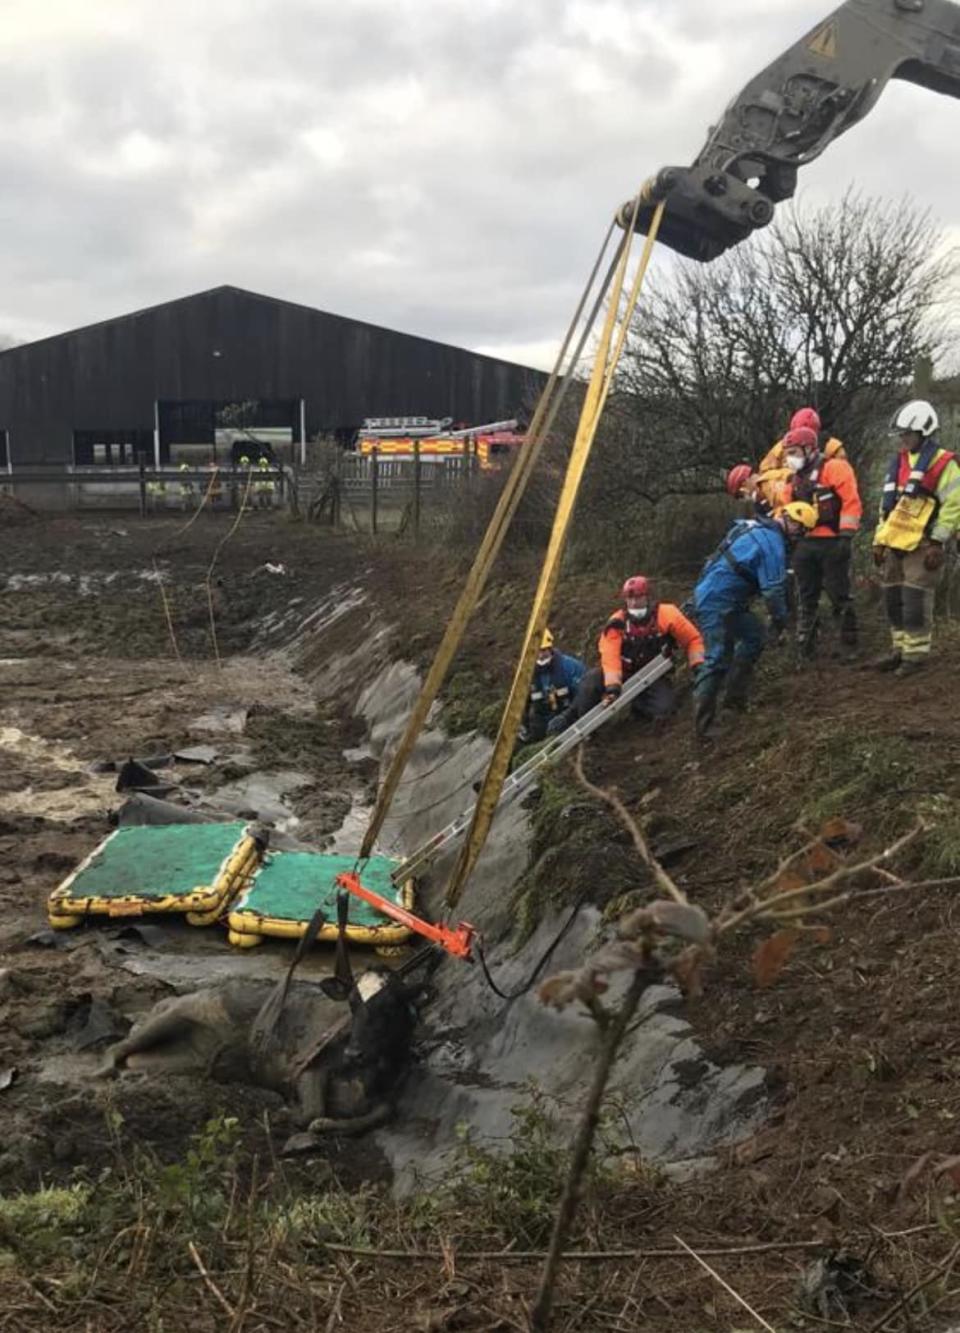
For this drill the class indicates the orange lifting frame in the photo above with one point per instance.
(457, 941)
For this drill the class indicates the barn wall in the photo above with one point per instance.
(108, 376)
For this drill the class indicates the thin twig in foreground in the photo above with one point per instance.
(769, 906)
(209, 1282)
(726, 1286)
(583, 1143)
(580, 1256)
(633, 828)
(942, 1270)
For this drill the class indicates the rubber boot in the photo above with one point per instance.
(910, 666)
(806, 639)
(738, 685)
(849, 634)
(705, 695)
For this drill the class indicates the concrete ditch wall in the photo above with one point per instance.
(480, 1054)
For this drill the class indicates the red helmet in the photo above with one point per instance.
(638, 586)
(640, 589)
(737, 478)
(806, 416)
(801, 437)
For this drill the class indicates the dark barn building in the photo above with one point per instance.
(147, 382)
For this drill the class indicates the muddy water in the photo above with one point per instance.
(478, 1052)
(77, 793)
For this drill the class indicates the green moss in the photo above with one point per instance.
(578, 850)
(467, 706)
(34, 1227)
(852, 771)
(940, 844)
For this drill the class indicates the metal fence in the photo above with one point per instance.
(146, 490)
(374, 493)
(367, 492)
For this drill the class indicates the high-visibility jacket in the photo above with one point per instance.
(751, 559)
(554, 685)
(920, 498)
(773, 474)
(830, 485)
(626, 646)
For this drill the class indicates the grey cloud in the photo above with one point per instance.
(484, 147)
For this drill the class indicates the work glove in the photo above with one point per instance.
(934, 556)
(775, 634)
(557, 725)
(523, 735)
(879, 555)
(610, 692)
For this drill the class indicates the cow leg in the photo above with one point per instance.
(179, 1034)
(312, 1094)
(353, 1124)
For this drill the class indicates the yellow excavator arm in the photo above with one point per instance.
(789, 113)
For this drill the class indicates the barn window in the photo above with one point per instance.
(112, 448)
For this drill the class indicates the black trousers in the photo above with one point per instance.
(657, 700)
(822, 565)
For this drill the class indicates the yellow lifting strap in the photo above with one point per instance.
(605, 364)
(510, 497)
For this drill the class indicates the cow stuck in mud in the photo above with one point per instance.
(340, 1072)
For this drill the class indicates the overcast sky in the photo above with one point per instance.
(444, 167)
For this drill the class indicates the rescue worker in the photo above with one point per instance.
(264, 486)
(156, 494)
(639, 630)
(186, 488)
(919, 512)
(751, 561)
(740, 482)
(773, 473)
(552, 690)
(239, 491)
(821, 559)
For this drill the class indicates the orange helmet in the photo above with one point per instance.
(737, 478)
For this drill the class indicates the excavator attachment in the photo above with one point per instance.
(707, 211)
(786, 116)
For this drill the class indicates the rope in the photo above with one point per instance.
(216, 555)
(507, 504)
(532, 979)
(169, 618)
(601, 378)
(168, 541)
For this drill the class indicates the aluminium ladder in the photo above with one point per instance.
(522, 778)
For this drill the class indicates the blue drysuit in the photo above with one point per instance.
(551, 692)
(751, 561)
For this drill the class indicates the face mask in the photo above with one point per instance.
(638, 613)
(795, 462)
(544, 659)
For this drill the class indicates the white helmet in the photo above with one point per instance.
(918, 415)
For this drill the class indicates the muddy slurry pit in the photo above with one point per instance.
(291, 729)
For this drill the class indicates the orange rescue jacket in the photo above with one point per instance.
(773, 474)
(625, 648)
(832, 489)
